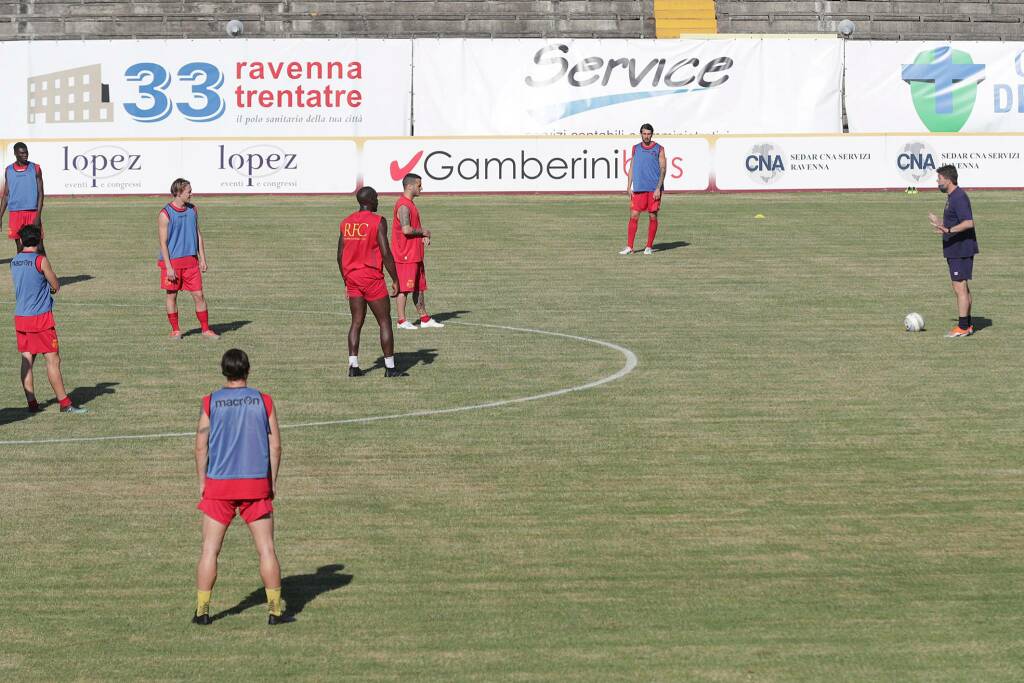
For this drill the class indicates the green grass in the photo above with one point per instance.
(789, 487)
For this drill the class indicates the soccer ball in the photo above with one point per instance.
(913, 322)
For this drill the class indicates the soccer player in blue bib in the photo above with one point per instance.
(182, 257)
(645, 183)
(22, 195)
(238, 455)
(959, 245)
(35, 283)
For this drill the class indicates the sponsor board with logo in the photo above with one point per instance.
(907, 86)
(799, 163)
(564, 86)
(164, 88)
(981, 161)
(107, 167)
(555, 164)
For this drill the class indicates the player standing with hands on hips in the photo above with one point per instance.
(959, 245)
(182, 257)
(646, 180)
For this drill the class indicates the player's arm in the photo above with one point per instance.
(341, 254)
(202, 448)
(275, 449)
(39, 193)
(662, 166)
(386, 257)
(51, 277)
(629, 176)
(162, 223)
(405, 222)
(202, 248)
(3, 200)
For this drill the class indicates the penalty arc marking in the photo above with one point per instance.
(628, 366)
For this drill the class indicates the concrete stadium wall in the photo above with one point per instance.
(81, 19)
(892, 20)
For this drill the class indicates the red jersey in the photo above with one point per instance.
(359, 233)
(406, 249)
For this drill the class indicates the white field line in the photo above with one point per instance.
(628, 367)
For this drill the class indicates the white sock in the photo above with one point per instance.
(353, 361)
(389, 362)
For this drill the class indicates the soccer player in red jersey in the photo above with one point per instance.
(35, 283)
(182, 257)
(238, 456)
(647, 180)
(408, 238)
(23, 195)
(362, 252)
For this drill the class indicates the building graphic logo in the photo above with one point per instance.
(70, 96)
(943, 86)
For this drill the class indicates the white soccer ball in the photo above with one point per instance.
(913, 322)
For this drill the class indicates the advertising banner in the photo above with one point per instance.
(175, 88)
(981, 160)
(561, 87)
(801, 163)
(213, 166)
(907, 87)
(579, 164)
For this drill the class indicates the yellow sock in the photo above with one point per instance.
(203, 602)
(274, 603)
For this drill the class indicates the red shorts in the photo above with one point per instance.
(644, 201)
(367, 283)
(44, 341)
(17, 220)
(223, 511)
(412, 277)
(187, 275)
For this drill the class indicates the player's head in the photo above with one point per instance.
(30, 236)
(646, 132)
(181, 188)
(235, 365)
(946, 177)
(20, 152)
(367, 198)
(412, 183)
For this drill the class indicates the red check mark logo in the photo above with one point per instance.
(399, 172)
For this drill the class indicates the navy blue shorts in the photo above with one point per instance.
(960, 269)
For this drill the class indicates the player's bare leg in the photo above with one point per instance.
(400, 305)
(27, 383)
(53, 374)
(206, 570)
(420, 300)
(382, 312)
(262, 531)
(357, 307)
(202, 315)
(963, 308)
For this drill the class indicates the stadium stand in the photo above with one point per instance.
(60, 19)
(894, 20)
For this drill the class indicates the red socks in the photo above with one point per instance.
(172, 318)
(631, 232)
(65, 402)
(204, 320)
(424, 318)
(652, 230)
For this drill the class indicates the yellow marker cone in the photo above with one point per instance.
(759, 215)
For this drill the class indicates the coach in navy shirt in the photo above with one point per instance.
(959, 245)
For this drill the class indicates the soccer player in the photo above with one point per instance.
(182, 257)
(959, 245)
(408, 238)
(35, 283)
(23, 195)
(362, 251)
(646, 178)
(238, 456)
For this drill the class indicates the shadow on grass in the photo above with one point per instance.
(79, 396)
(72, 279)
(220, 328)
(406, 360)
(450, 315)
(5, 261)
(297, 590)
(668, 246)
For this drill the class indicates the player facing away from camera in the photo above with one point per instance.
(22, 195)
(362, 252)
(35, 283)
(959, 245)
(644, 185)
(182, 257)
(238, 456)
(408, 239)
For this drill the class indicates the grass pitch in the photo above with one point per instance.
(788, 487)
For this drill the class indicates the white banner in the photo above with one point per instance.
(906, 87)
(558, 164)
(535, 87)
(173, 88)
(799, 163)
(213, 166)
(980, 160)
